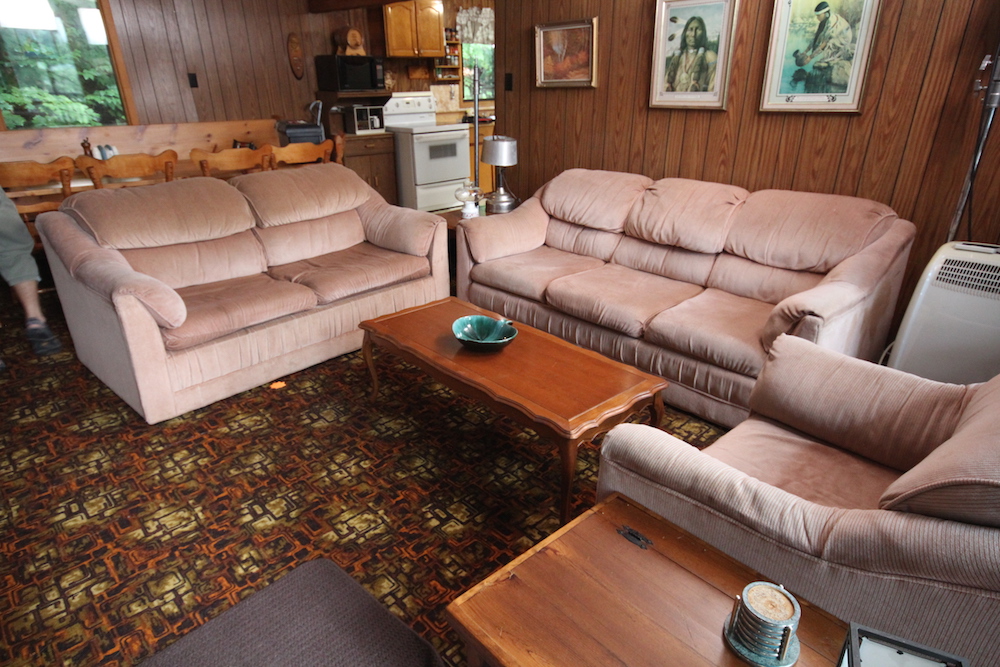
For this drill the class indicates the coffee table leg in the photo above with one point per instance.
(658, 412)
(366, 351)
(567, 454)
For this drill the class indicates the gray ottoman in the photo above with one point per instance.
(315, 615)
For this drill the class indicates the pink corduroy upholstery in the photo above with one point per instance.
(687, 279)
(183, 293)
(872, 493)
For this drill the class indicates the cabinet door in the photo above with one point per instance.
(383, 176)
(430, 28)
(401, 29)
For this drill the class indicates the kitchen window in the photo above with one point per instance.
(484, 56)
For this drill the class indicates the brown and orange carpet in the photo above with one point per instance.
(118, 537)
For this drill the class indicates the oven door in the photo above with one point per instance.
(441, 156)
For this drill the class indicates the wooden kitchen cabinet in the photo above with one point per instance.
(414, 29)
(373, 158)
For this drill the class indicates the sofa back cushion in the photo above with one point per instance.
(184, 211)
(581, 240)
(805, 231)
(283, 196)
(960, 480)
(187, 232)
(695, 215)
(664, 260)
(593, 198)
(771, 284)
(186, 264)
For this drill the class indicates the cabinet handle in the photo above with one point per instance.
(370, 145)
(376, 181)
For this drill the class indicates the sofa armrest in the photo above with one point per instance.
(880, 413)
(851, 308)
(707, 497)
(396, 228)
(106, 272)
(496, 236)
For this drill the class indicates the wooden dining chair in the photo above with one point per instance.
(232, 161)
(128, 170)
(36, 187)
(301, 153)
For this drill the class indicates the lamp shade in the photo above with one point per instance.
(500, 151)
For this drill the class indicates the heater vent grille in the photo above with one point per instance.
(969, 277)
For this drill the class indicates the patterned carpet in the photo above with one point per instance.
(118, 537)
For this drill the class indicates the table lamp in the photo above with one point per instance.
(501, 152)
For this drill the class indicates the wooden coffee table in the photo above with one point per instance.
(587, 596)
(564, 392)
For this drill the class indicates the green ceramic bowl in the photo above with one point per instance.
(482, 333)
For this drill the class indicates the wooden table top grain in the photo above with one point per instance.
(587, 596)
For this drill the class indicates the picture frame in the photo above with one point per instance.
(697, 76)
(818, 55)
(566, 54)
(865, 646)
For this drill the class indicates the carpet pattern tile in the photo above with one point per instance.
(118, 537)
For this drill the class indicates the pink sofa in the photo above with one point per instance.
(183, 293)
(689, 280)
(872, 493)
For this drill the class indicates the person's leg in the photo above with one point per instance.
(27, 294)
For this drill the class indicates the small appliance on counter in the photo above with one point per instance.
(361, 119)
(300, 131)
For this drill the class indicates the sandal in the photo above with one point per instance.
(42, 340)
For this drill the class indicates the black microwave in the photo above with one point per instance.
(346, 73)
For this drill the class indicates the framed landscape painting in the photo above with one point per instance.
(566, 54)
(818, 55)
(692, 44)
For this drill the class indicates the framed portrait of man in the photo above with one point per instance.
(818, 55)
(692, 42)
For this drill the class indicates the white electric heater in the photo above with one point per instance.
(951, 329)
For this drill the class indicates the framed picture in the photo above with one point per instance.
(566, 54)
(818, 55)
(692, 44)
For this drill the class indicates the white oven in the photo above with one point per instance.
(432, 161)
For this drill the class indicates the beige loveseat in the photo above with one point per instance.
(183, 293)
(689, 280)
(872, 493)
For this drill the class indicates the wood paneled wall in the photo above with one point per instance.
(237, 49)
(910, 147)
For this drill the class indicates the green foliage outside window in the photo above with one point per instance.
(50, 73)
(482, 55)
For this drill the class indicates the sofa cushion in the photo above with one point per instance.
(596, 296)
(296, 241)
(960, 480)
(184, 211)
(802, 465)
(581, 240)
(528, 274)
(521, 230)
(737, 275)
(805, 231)
(666, 261)
(593, 198)
(305, 193)
(185, 264)
(357, 269)
(695, 215)
(217, 309)
(888, 416)
(714, 326)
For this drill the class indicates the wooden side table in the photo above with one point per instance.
(588, 596)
